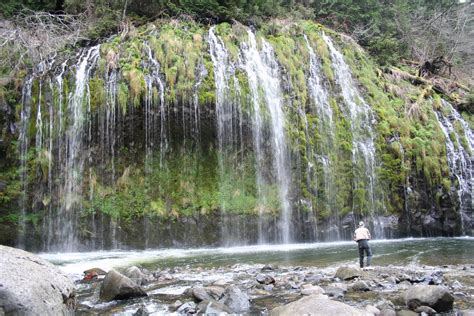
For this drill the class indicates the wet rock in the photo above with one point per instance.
(268, 287)
(360, 286)
(348, 273)
(212, 307)
(309, 289)
(467, 312)
(393, 280)
(265, 279)
(136, 275)
(236, 300)
(117, 286)
(200, 294)
(310, 304)
(30, 285)
(436, 297)
(425, 309)
(187, 308)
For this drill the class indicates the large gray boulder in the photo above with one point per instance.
(348, 273)
(436, 297)
(117, 286)
(30, 285)
(136, 275)
(316, 305)
(236, 300)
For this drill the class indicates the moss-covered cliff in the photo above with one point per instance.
(133, 141)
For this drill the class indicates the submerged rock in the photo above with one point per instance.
(316, 305)
(33, 286)
(436, 297)
(117, 286)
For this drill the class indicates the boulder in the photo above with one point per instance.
(117, 286)
(187, 308)
(216, 292)
(136, 275)
(436, 297)
(360, 286)
(236, 300)
(372, 310)
(316, 305)
(30, 285)
(211, 307)
(200, 294)
(425, 309)
(348, 273)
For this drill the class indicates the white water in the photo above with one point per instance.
(67, 218)
(361, 118)
(460, 159)
(263, 73)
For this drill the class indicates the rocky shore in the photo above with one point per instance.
(266, 289)
(30, 285)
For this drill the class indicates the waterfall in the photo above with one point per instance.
(263, 73)
(65, 233)
(326, 130)
(227, 120)
(460, 156)
(361, 118)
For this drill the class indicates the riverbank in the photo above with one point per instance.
(269, 276)
(262, 288)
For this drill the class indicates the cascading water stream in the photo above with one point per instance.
(361, 118)
(326, 130)
(460, 156)
(263, 73)
(66, 233)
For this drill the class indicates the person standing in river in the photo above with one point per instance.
(362, 236)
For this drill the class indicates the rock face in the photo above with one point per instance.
(316, 305)
(436, 297)
(117, 286)
(30, 285)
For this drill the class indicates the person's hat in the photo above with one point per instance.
(361, 223)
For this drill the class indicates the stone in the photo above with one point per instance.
(97, 271)
(175, 305)
(187, 308)
(308, 289)
(136, 275)
(200, 294)
(265, 279)
(211, 307)
(117, 286)
(425, 309)
(467, 312)
(316, 305)
(348, 273)
(360, 286)
(33, 286)
(141, 312)
(220, 282)
(436, 297)
(216, 292)
(236, 300)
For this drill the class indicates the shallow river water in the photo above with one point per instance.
(421, 251)
(183, 269)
